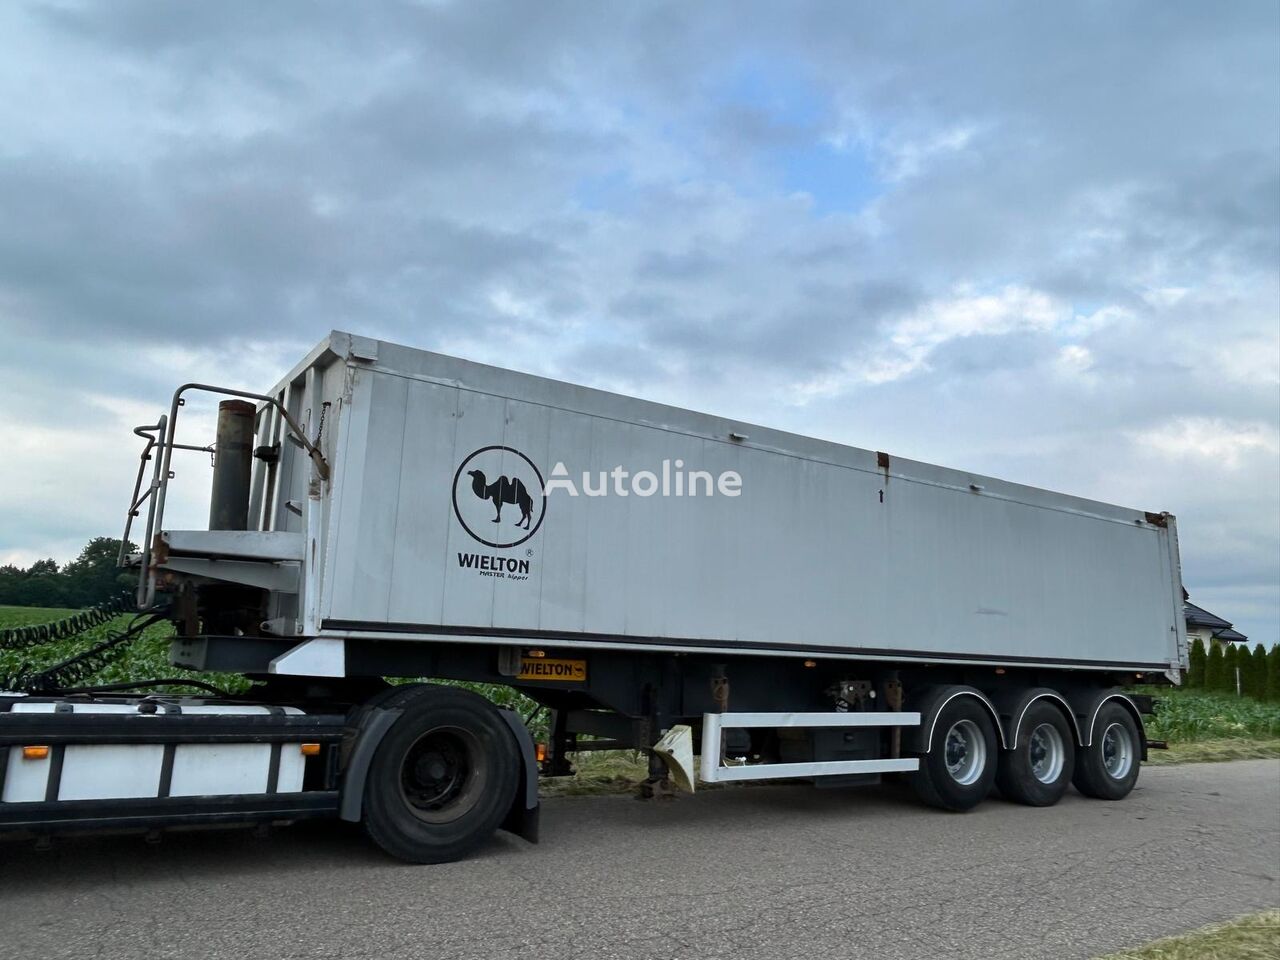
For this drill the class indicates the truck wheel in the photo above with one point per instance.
(443, 777)
(1038, 769)
(957, 772)
(1108, 768)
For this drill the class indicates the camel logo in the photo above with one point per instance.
(498, 496)
(503, 490)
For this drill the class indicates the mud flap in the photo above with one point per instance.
(371, 725)
(522, 818)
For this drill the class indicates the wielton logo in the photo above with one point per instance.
(494, 478)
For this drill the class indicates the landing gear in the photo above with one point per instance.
(657, 785)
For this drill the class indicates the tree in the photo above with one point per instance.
(1273, 672)
(91, 578)
(40, 585)
(1244, 663)
(1259, 659)
(1229, 662)
(1195, 669)
(1213, 668)
(1258, 674)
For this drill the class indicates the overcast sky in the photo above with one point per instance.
(1039, 241)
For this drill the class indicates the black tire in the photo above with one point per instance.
(1108, 768)
(443, 777)
(957, 772)
(1037, 771)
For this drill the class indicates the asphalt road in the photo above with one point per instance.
(758, 872)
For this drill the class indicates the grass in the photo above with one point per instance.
(22, 616)
(599, 772)
(1212, 751)
(1253, 937)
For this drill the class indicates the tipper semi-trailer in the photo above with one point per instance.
(657, 579)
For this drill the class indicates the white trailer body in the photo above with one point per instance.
(644, 574)
(824, 550)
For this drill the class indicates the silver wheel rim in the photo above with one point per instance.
(1047, 753)
(965, 752)
(1117, 751)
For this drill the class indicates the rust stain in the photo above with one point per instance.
(1157, 519)
(159, 550)
(882, 461)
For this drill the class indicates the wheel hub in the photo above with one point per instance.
(1046, 753)
(965, 752)
(1117, 751)
(432, 767)
(437, 777)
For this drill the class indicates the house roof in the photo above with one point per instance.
(1200, 617)
(1235, 636)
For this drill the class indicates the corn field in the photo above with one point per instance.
(1187, 716)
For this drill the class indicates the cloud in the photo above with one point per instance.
(964, 314)
(1034, 241)
(1223, 443)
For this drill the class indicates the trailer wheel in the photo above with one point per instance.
(957, 772)
(1107, 769)
(1037, 771)
(442, 778)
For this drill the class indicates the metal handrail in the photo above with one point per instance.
(146, 582)
(322, 467)
(158, 436)
(150, 433)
